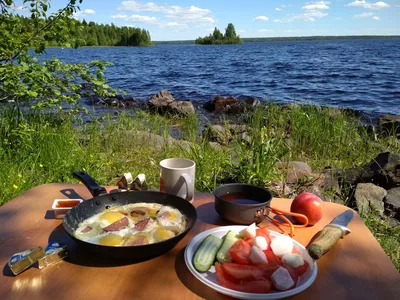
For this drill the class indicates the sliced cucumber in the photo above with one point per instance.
(223, 252)
(205, 254)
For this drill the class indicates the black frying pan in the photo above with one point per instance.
(101, 200)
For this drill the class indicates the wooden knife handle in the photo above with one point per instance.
(325, 241)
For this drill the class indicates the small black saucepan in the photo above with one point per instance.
(101, 201)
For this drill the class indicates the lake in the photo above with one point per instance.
(358, 74)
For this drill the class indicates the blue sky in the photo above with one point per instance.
(181, 20)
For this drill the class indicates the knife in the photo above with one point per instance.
(330, 235)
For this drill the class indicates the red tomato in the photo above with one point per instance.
(225, 280)
(265, 233)
(301, 270)
(247, 272)
(292, 273)
(249, 286)
(262, 286)
(240, 251)
(249, 241)
(271, 257)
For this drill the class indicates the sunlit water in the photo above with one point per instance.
(360, 74)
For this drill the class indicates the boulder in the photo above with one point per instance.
(278, 189)
(296, 170)
(392, 203)
(245, 138)
(252, 101)
(163, 102)
(117, 101)
(236, 128)
(217, 133)
(230, 105)
(383, 171)
(369, 198)
(389, 124)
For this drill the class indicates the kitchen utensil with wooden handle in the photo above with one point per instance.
(331, 233)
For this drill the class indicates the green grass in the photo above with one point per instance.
(40, 149)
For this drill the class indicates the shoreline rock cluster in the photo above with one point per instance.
(164, 103)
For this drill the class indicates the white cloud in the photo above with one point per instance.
(241, 31)
(177, 25)
(265, 30)
(363, 15)
(139, 19)
(19, 8)
(339, 18)
(179, 14)
(261, 18)
(83, 13)
(282, 7)
(376, 18)
(309, 16)
(292, 31)
(311, 12)
(316, 5)
(369, 5)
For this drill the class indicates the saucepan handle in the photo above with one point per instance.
(92, 186)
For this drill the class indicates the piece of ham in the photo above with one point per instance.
(142, 225)
(118, 225)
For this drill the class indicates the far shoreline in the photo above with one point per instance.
(262, 40)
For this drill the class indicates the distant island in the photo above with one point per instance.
(217, 38)
(295, 38)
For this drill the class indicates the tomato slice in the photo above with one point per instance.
(265, 233)
(302, 269)
(249, 241)
(225, 279)
(262, 286)
(248, 272)
(248, 286)
(271, 257)
(240, 251)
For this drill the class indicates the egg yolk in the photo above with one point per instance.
(163, 234)
(172, 216)
(111, 216)
(153, 212)
(111, 240)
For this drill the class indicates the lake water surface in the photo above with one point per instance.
(358, 74)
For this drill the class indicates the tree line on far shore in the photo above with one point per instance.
(93, 34)
(217, 37)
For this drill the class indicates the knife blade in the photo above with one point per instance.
(330, 234)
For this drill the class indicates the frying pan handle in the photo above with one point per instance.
(89, 182)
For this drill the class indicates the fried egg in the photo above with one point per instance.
(109, 217)
(162, 234)
(169, 216)
(111, 239)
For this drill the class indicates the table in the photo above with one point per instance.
(356, 268)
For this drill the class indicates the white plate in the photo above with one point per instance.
(209, 278)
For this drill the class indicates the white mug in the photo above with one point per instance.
(177, 177)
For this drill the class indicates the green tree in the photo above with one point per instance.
(230, 32)
(217, 35)
(45, 83)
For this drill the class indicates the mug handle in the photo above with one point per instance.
(189, 190)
